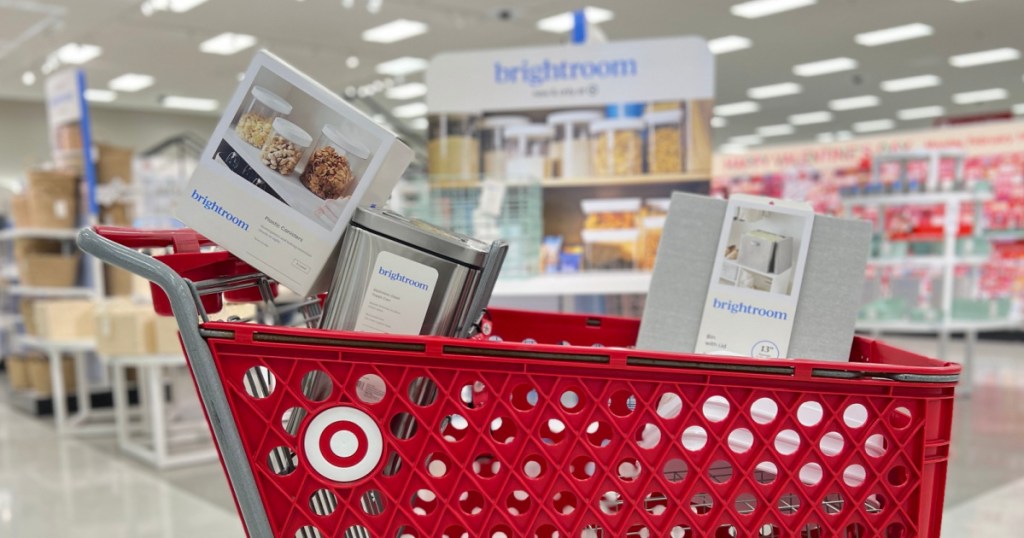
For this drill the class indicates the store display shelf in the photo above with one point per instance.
(929, 261)
(45, 292)
(63, 234)
(1005, 235)
(569, 284)
(917, 198)
(904, 326)
(9, 272)
(9, 320)
(60, 346)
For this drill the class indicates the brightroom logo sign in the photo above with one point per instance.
(211, 205)
(395, 276)
(750, 310)
(540, 73)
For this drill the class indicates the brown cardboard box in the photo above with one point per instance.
(51, 199)
(28, 316)
(65, 319)
(49, 270)
(17, 371)
(114, 164)
(39, 374)
(123, 328)
(20, 212)
(165, 334)
(117, 281)
(119, 214)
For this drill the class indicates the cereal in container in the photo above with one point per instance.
(453, 148)
(617, 147)
(492, 142)
(666, 141)
(256, 121)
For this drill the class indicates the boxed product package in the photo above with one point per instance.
(165, 336)
(17, 371)
(26, 307)
(64, 319)
(124, 328)
(830, 257)
(48, 263)
(117, 282)
(39, 374)
(285, 169)
(50, 200)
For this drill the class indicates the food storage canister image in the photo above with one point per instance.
(617, 146)
(527, 151)
(335, 164)
(404, 276)
(285, 146)
(492, 142)
(258, 115)
(453, 148)
(570, 149)
(666, 141)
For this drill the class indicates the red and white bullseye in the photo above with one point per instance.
(343, 444)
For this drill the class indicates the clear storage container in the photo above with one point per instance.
(526, 151)
(666, 141)
(285, 146)
(652, 224)
(453, 149)
(617, 146)
(492, 142)
(258, 115)
(570, 149)
(335, 165)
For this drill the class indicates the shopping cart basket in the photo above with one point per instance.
(552, 426)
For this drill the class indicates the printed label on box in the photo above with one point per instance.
(755, 285)
(398, 296)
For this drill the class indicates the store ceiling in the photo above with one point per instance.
(319, 35)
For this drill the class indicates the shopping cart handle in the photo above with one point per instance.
(182, 239)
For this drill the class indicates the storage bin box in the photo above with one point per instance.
(51, 200)
(123, 329)
(765, 251)
(65, 320)
(39, 374)
(165, 336)
(114, 164)
(118, 282)
(49, 270)
(17, 371)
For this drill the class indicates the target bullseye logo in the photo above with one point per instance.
(343, 444)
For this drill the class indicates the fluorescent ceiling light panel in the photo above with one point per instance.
(843, 135)
(77, 53)
(737, 109)
(727, 44)
(853, 103)
(774, 90)
(227, 44)
(782, 129)
(746, 140)
(811, 118)
(97, 95)
(894, 35)
(131, 82)
(28, 78)
(394, 31)
(873, 126)
(564, 22)
(825, 138)
(980, 96)
(411, 110)
(181, 6)
(920, 113)
(1018, 109)
(911, 83)
(411, 90)
(985, 57)
(420, 124)
(402, 66)
(825, 67)
(718, 123)
(189, 103)
(755, 9)
(732, 149)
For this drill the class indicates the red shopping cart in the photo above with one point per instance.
(551, 425)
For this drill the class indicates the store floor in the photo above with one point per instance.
(84, 489)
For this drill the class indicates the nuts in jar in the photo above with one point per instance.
(328, 174)
(284, 146)
(253, 128)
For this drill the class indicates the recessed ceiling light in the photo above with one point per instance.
(131, 82)
(872, 126)
(402, 66)
(718, 123)
(894, 34)
(985, 57)
(180, 6)
(782, 129)
(755, 9)
(411, 110)
(729, 43)
(911, 83)
(962, 1)
(394, 31)
(980, 96)
(564, 22)
(374, 6)
(843, 135)
(811, 118)
(774, 90)
(1018, 109)
(825, 138)
(352, 62)
(825, 67)
(77, 53)
(736, 109)
(410, 90)
(419, 124)
(746, 140)
(240, 76)
(920, 113)
(189, 103)
(97, 95)
(28, 78)
(853, 103)
(732, 149)
(227, 44)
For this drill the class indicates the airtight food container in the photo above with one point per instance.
(405, 276)
(258, 114)
(617, 146)
(335, 164)
(570, 149)
(666, 141)
(453, 148)
(285, 146)
(492, 143)
(526, 151)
